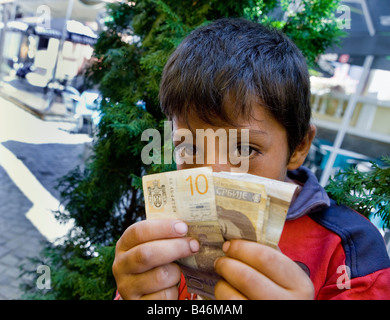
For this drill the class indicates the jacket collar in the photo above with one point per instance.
(312, 197)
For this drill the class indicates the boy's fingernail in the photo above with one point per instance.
(181, 228)
(226, 246)
(194, 245)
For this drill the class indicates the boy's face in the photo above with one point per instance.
(266, 153)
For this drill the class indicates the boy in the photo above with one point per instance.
(234, 74)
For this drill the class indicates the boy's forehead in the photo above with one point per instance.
(194, 122)
(255, 120)
(235, 111)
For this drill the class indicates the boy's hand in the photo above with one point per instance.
(143, 267)
(254, 271)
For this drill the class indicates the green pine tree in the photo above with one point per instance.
(366, 192)
(129, 56)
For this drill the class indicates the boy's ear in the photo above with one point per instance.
(300, 153)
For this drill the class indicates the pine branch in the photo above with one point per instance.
(365, 192)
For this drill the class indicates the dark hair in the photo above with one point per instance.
(236, 62)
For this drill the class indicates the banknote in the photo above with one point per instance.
(279, 196)
(189, 195)
(241, 208)
(217, 206)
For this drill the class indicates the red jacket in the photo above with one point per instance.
(344, 261)
(343, 252)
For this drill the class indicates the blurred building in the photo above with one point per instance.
(351, 91)
(46, 40)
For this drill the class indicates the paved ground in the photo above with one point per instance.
(18, 237)
(33, 155)
(47, 161)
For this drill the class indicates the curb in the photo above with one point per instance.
(23, 105)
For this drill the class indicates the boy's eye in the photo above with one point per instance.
(186, 151)
(245, 151)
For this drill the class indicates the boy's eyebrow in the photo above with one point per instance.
(252, 132)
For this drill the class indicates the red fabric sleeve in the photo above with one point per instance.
(183, 293)
(374, 286)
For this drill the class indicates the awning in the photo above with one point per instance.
(76, 31)
(368, 32)
(83, 10)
